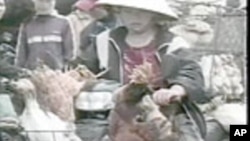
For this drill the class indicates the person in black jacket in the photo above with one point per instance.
(177, 77)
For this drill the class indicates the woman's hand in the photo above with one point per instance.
(166, 96)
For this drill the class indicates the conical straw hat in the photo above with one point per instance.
(157, 6)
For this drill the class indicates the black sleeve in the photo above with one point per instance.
(21, 48)
(189, 75)
(88, 57)
(87, 54)
(68, 44)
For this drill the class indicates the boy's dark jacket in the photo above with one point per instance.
(178, 67)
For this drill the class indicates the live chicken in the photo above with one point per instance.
(39, 124)
(56, 91)
(132, 118)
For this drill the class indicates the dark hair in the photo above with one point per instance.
(16, 12)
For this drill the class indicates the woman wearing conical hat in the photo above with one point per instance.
(177, 79)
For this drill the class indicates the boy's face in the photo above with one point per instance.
(43, 5)
(136, 20)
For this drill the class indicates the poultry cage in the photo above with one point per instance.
(52, 135)
(92, 132)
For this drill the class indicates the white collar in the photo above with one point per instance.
(53, 12)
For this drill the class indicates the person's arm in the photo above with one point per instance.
(187, 82)
(87, 53)
(189, 78)
(21, 48)
(68, 43)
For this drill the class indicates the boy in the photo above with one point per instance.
(47, 37)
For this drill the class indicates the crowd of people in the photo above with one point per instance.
(131, 43)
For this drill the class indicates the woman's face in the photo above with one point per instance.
(136, 20)
(2, 8)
